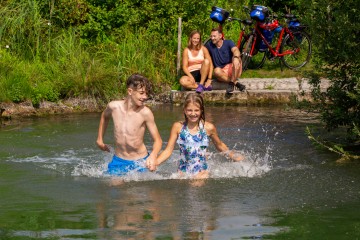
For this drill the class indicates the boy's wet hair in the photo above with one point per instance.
(197, 100)
(137, 81)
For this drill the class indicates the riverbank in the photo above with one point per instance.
(74, 105)
(264, 91)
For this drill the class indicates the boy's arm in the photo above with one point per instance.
(154, 132)
(104, 121)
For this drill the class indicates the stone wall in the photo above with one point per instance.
(258, 91)
(264, 91)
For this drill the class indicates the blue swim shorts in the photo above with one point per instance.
(121, 167)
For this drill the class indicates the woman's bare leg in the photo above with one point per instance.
(204, 71)
(188, 83)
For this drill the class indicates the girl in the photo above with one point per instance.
(197, 65)
(192, 136)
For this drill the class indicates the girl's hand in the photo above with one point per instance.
(235, 156)
(151, 164)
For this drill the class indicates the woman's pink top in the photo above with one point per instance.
(194, 63)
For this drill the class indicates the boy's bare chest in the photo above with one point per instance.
(128, 123)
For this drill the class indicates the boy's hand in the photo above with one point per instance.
(151, 163)
(103, 146)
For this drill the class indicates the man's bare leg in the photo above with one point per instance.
(221, 76)
(237, 73)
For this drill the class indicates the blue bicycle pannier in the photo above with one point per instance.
(219, 15)
(294, 24)
(259, 13)
(268, 34)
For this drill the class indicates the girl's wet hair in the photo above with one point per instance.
(197, 100)
(136, 81)
(190, 45)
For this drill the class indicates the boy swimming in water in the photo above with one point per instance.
(131, 118)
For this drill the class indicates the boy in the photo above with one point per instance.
(131, 118)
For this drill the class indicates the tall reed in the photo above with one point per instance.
(71, 70)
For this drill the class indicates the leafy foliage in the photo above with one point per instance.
(64, 48)
(68, 48)
(337, 148)
(335, 26)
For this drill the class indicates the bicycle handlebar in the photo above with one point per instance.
(243, 21)
(247, 9)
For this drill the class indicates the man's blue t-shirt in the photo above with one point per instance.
(221, 56)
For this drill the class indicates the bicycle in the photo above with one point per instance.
(220, 15)
(293, 46)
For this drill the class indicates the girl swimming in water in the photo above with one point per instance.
(192, 136)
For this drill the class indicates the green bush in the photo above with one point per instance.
(336, 27)
(17, 87)
(44, 91)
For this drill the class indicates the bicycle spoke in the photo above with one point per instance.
(251, 62)
(300, 44)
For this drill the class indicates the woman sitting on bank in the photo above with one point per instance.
(197, 65)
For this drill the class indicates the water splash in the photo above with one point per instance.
(93, 163)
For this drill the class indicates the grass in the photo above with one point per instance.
(52, 64)
(70, 69)
(41, 62)
(272, 69)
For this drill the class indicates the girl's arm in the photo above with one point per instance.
(212, 133)
(220, 146)
(171, 143)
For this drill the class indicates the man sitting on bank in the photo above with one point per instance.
(226, 59)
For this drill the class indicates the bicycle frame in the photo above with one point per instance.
(275, 52)
(241, 35)
(242, 32)
(292, 45)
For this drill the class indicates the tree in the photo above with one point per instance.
(335, 29)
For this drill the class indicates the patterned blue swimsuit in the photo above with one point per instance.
(192, 150)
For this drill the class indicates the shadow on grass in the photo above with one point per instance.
(273, 69)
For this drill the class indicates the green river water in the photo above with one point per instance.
(53, 185)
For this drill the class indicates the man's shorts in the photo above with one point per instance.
(121, 167)
(227, 69)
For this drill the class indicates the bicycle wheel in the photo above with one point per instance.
(301, 43)
(257, 60)
(245, 52)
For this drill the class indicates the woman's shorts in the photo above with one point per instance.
(197, 75)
